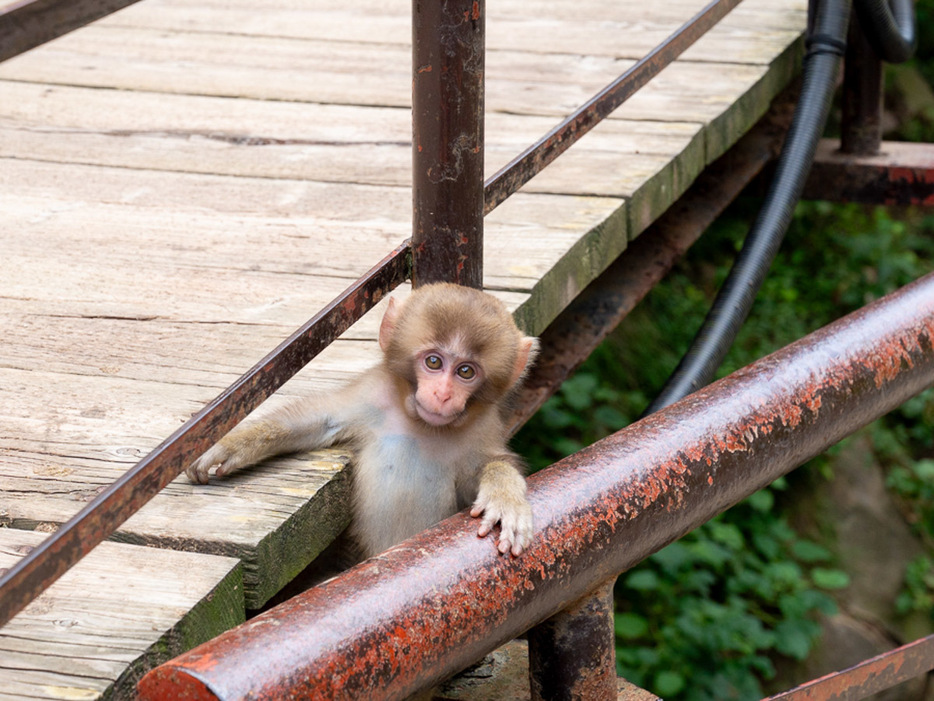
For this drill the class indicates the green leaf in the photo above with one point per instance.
(762, 501)
(629, 626)
(924, 469)
(793, 638)
(727, 534)
(668, 683)
(674, 557)
(568, 446)
(578, 391)
(555, 417)
(808, 551)
(643, 580)
(711, 553)
(785, 572)
(611, 417)
(830, 579)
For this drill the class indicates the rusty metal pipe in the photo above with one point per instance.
(434, 604)
(447, 141)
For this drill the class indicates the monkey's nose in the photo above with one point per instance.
(443, 391)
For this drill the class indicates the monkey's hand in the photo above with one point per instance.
(501, 499)
(247, 444)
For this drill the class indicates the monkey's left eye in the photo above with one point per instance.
(433, 362)
(466, 372)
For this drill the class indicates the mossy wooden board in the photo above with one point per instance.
(119, 612)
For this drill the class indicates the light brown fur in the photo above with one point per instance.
(425, 424)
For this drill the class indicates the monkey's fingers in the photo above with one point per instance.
(515, 519)
(198, 471)
(516, 529)
(488, 512)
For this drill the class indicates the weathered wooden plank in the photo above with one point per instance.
(116, 220)
(119, 612)
(360, 74)
(651, 182)
(624, 30)
(313, 142)
(692, 92)
(633, 159)
(67, 447)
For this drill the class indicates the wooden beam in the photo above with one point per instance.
(900, 174)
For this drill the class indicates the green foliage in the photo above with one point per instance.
(835, 260)
(914, 482)
(918, 594)
(705, 617)
(712, 608)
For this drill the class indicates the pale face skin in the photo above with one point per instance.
(446, 380)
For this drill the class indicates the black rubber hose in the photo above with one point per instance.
(826, 46)
(890, 29)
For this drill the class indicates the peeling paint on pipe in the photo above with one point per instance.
(434, 604)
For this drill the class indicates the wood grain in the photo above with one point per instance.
(121, 611)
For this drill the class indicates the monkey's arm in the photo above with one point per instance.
(304, 425)
(501, 499)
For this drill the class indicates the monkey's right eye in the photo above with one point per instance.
(433, 362)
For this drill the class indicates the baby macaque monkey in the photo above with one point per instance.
(425, 424)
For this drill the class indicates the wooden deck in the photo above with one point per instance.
(183, 184)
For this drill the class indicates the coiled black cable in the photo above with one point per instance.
(890, 29)
(825, 46)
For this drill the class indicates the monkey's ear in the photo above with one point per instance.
(528, 349)
(388, 324)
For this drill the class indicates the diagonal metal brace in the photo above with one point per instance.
(875, 674)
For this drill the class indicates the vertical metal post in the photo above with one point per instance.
(447, 141)
(572, 655)
(861, 126)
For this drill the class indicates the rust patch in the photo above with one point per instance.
(437, 603)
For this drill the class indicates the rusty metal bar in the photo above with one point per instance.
(900, 174)
(876, 674)
(861, 122)
(600, 308)
(447, 141)
(531, 161)
(572, 655)
(435, 604)
(27, 24)
(100, 518)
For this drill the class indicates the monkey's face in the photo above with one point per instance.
(446, 378)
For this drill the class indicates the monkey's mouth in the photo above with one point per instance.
(434, 419)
